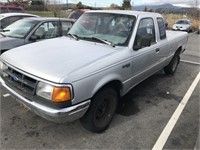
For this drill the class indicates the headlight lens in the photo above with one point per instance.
(1, 65)
(56, 94)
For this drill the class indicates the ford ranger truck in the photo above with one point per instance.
(82, 75)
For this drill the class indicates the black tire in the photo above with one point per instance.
(172, 66)
(101, 111)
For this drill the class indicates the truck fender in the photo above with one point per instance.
(105, 80)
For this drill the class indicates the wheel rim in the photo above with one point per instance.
(104, 111)
(101, 111)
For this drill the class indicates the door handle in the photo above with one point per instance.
(157, 50)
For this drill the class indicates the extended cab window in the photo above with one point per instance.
(161, 26)
(145, 35)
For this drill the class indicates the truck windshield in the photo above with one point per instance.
(114, 28)
(19, 29)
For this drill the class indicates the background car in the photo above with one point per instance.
(33, 29)
(76, 14)
(8, 18)
(183, 25)
(11, 8)
(198, 31)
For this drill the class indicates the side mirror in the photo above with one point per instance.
(142, 42)
(33, 38)
(145, 42)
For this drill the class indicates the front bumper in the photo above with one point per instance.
(180, 29)
(56, 115)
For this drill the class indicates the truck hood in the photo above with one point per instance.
(9, 42)
(56, 59)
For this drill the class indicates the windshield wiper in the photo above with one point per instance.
(2, 34)
(104, 41)
(2, 30)
(73, 36)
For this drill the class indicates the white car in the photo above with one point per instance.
(183, 25)
(8, 18)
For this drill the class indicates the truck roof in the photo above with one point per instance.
(126, 12)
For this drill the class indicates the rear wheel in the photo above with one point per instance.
(172, 66)
(101, 111)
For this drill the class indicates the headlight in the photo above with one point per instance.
(54, 93)
(1, 65)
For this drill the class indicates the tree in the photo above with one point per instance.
(37, 2)
(126, 5)
(145, 8)
(37, 5)
(21, 3)
(79, 6)
(114, 7)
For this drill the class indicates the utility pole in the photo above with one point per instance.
(196, 4)
(67, 4)
(132, 5)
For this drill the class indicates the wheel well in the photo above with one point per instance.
(178, 51)
(116, 84)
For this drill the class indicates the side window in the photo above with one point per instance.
(3, 10)
(7, 21)
(161, 26)
(47, 30)
(145, 35)
(65, 27)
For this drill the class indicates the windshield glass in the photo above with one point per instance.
(19, 29)
(114, 28)
(182, 22)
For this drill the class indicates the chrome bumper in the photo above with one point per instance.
(57, 115)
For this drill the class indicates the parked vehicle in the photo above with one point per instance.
(83, 75)
(11, 8)
(8, 18)
(198, 31)
(29, 30)
(76, 14)
(183, 25)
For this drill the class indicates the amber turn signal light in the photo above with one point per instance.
(61, 94)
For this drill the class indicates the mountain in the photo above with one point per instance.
(157, 7)
(168, 8)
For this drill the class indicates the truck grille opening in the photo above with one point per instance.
(17, 80)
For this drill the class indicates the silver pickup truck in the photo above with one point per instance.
(82, 75)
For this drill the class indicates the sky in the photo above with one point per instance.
(100, 3)
(104, 3)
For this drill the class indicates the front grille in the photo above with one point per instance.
(19, 81)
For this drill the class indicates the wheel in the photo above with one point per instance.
(101, 111)
(171, 67)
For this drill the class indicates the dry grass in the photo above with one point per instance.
(172, 18)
